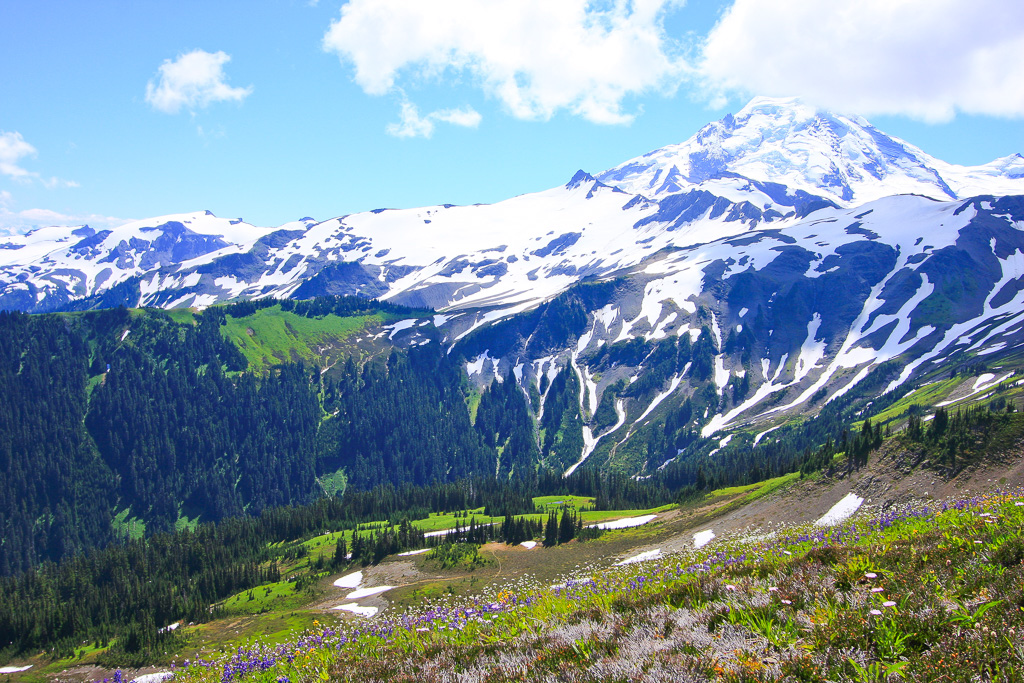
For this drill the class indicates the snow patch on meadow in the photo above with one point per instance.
(841, 510)
(702, 538)
(529, 545)
(14, 669)
(357, 609)
(625, 523)
(445, 532)
(157, 677)
(399, 326)
(367, 592)
(642, 557)
(407, 553)
(350, 581)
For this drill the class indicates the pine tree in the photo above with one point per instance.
(551, 530)
(340, 552)
(567, 527)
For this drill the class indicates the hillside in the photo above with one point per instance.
(766, 593)
(130, 422)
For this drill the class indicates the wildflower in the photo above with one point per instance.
(888, 603)
(786, 602)
(871, 575)
(876, 612)
(877, 589)
(730, 587)
(772, 589)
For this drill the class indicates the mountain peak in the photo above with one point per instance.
(578, 179)
(786, 141)
(787, 105)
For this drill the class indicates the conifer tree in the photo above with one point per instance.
(567, 527)
(551, 530)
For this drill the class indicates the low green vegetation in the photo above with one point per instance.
(742, 495)
(458, 556)
(182, 315)
(276, 596)
(127, 526)
(542, 503)
(271, 336)
(925, 395)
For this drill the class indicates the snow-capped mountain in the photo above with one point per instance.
(774, 161)
(783, 141)
(778, 260)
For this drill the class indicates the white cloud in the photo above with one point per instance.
(54, 181)
(19, 222)
(12, 148)
(535, 56)
(193, 80)
(467, 117)
(926, 59)
(412, 125)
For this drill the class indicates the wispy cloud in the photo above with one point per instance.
(413, 125)
(926, 59)
(535, 56)
(194, 80)
(19, 222)
(14, 148)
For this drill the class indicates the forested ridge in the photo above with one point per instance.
(153, 418)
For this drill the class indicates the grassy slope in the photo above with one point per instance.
(272, 336)
(698, 639)
(274, 612)
(933, 594)
(930, 395)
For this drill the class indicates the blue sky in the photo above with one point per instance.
(272, 110)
